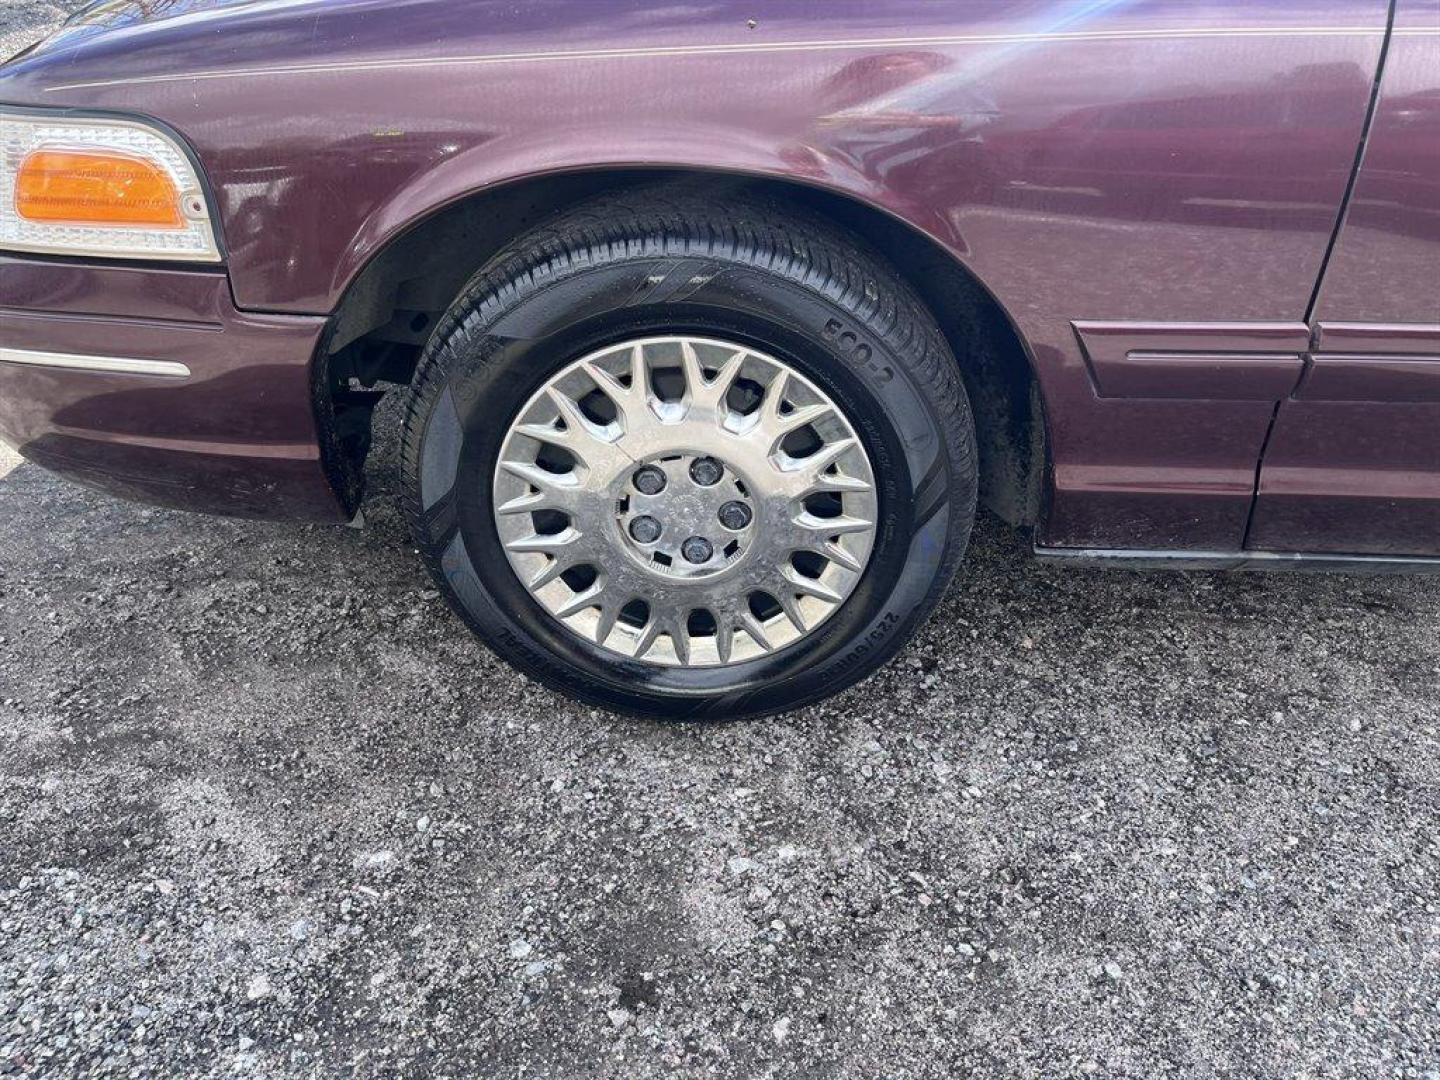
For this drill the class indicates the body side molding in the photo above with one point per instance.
(1134, 559)
(1397, 362)
(1194, 361)
(109, 365)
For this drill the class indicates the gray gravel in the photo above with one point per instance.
(23, 22)
(267, 810)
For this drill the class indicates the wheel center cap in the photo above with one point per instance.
(685, 516)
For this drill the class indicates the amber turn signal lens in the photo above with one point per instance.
(96, 187)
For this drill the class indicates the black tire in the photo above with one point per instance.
(666, 260)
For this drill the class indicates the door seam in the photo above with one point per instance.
(1344, 212)
(1341, 216)
(1259, 465)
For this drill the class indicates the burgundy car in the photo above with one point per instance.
(716, 320)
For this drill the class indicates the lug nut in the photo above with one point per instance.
(706, 471)
(735, 515)
(646, 530)
(649, 480)
(697, 550)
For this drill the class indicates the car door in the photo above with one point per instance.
(1353, 461)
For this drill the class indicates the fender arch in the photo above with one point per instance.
(684, 148)
(417, 252)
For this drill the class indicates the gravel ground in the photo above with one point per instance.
(25, 21)
(267, 810)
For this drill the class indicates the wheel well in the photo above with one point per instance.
(386, 315)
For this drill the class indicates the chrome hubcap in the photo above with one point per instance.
(685, 501)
